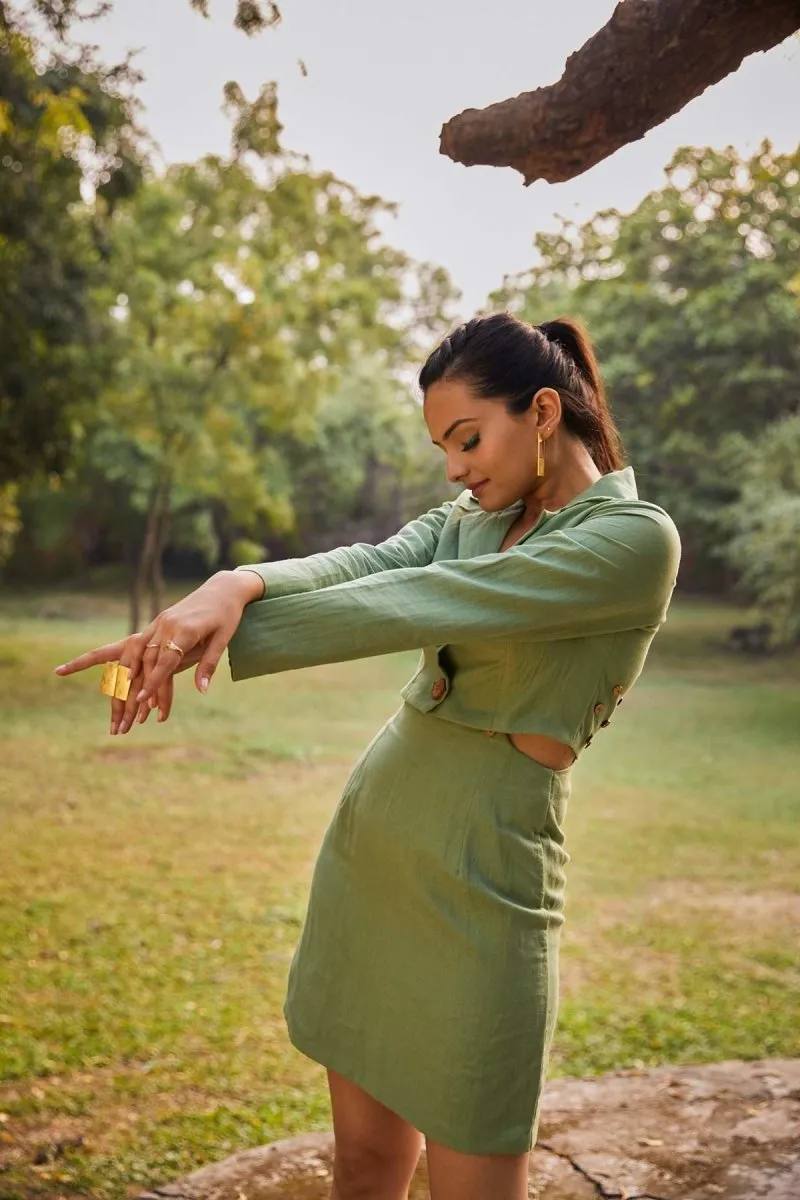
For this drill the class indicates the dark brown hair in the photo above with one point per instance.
(503, 358)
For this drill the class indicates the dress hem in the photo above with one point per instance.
(437, 1133)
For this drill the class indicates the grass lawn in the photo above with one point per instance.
(153, 887)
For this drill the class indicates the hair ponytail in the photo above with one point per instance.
(601, 434)
(574, 341)
(501, 357)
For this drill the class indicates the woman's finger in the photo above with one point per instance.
(92, 658)
(136, 711)
(167, 664)
(210, 658)
(165, 696)
(132, 656)
(122, 714)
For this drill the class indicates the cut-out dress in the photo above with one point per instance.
(427, 966)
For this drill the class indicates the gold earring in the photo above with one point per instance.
(539, 455)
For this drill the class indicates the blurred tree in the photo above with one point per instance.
(66, 131)
(240, 289)
(251, 15)
(692, 301)
(371, 465)
(764, 524)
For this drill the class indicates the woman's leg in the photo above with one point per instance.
(457, 1176)
(376, 1150)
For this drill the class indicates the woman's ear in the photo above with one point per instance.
(546, 405)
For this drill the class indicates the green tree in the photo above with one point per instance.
(370, 467)
(66, 132)
(691, 299)
(764, 525)
(241, 289)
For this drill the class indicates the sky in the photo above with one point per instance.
(382, 79)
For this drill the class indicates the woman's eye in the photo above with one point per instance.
(472, 443)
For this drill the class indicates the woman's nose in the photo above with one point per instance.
(454, 471)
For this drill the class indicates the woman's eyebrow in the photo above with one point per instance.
(450, 428)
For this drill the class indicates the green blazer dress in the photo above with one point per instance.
(427, 967)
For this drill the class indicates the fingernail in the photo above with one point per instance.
(151, 703)
(113, 726)
(61, 668)
(123, 725)
(204, 684)
(142, 715)
(162, 716)
(141, 696)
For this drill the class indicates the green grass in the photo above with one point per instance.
(154, 885)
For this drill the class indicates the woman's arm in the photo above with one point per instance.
(412, 546)
(616, 571)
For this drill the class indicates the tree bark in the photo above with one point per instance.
(144, 573)
(647, 63)
(157, 560)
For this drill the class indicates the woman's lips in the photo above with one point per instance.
(477, 487)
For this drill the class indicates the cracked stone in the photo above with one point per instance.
(719, 1131)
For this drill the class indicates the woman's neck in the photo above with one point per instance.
(571, 473)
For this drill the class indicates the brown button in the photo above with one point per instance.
(618, 690)
(439, 688)
(604, 723)
(491, 732)
(598, 708)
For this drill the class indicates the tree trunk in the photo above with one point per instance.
(143, 570)
(157, 561)
(647, 63)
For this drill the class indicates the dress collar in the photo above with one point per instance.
(614, 485)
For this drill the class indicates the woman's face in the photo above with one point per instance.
(487, 449)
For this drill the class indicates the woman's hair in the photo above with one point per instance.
(503, 358)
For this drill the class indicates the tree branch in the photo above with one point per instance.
(647, 63)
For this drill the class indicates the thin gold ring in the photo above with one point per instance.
(150, 645)
(174, 646)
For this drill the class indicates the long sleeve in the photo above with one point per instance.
(412, 546)
(613, 572)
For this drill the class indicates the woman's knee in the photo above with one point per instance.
(376, 1151)
(457, 1176)
(363, 1172)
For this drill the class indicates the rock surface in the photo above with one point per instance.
(724, 1131)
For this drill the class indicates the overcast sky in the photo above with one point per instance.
(383, 75)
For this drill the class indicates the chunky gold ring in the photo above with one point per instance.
(174, 646)
(116, 681)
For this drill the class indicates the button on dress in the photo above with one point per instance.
(427, 967)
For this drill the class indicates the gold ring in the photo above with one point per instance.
(116, 681)
(150, 645)
(174, 646)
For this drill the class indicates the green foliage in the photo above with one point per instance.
(251, 15)
(764, 523)
(240, 291)
(65, 129)
(692, 300)
(170, 349)
(370, 462)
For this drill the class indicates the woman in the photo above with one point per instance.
(426, 975)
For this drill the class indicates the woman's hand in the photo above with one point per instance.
(201, 624)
